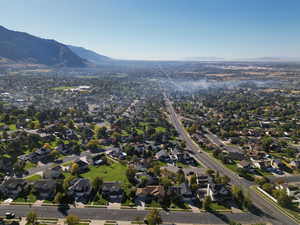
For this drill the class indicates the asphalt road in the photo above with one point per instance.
(270, 211)
(217, 141)
(132, 214)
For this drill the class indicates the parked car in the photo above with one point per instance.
(9, 215)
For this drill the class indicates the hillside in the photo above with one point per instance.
(26, 48)
(89, 55)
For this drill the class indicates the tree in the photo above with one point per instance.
(210, 172)
(132, 192)
(268, 187)
(237, 194)
(101, 132)
(225, 180)
(166, 182)
(54, 154)
(93, 144)
(72, 220)
(153, 217)
(130, 173)
(74, 169)
(71, 124)
(247, 202)
(67, 182)
(284, 200)
(31, 218)
(59, 197)
(97, 183)
(180, 177)
(206, 203)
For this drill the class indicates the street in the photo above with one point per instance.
(276, 216)
(132, 214)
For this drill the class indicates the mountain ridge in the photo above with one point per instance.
(26, 48)
(89, 55)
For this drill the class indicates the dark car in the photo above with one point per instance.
(9, 215)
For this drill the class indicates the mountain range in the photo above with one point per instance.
(20, 47)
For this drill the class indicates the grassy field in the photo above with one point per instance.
(112, 172)
(34, 177)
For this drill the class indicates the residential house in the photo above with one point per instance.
(276, 163)
(83, 165)
(145, 179)
(45, 189)
(162, 155)
(218, 192)
(183, 191)
(98, 160)
(236, 156)
(13, 188)
(112, 191)
(244, 164)
(53, 173)
(80, 189)
(295, 164)
(203, 180)
(261, 164)
(117, 153)
(150, 193)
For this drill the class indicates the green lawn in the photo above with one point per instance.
(12, 127)
(99, 200)
(139, 131)
(160, 129)
(179, 164)
(34, 177)
(30, 199)
(113, 172)
(232, 167)
(29, 165)
(153, 204)
(181, 205)
(216, 206)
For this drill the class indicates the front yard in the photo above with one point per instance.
(113, 172)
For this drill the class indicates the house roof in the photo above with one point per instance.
(244, 163)
(111, 186)
(161, 153)
(13, 183)
(80, 185)
(151, 190)
(45, 185)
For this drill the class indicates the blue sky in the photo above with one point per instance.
(163, 29)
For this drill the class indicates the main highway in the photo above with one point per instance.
(270, 212)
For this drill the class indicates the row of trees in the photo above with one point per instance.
(152, 218)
